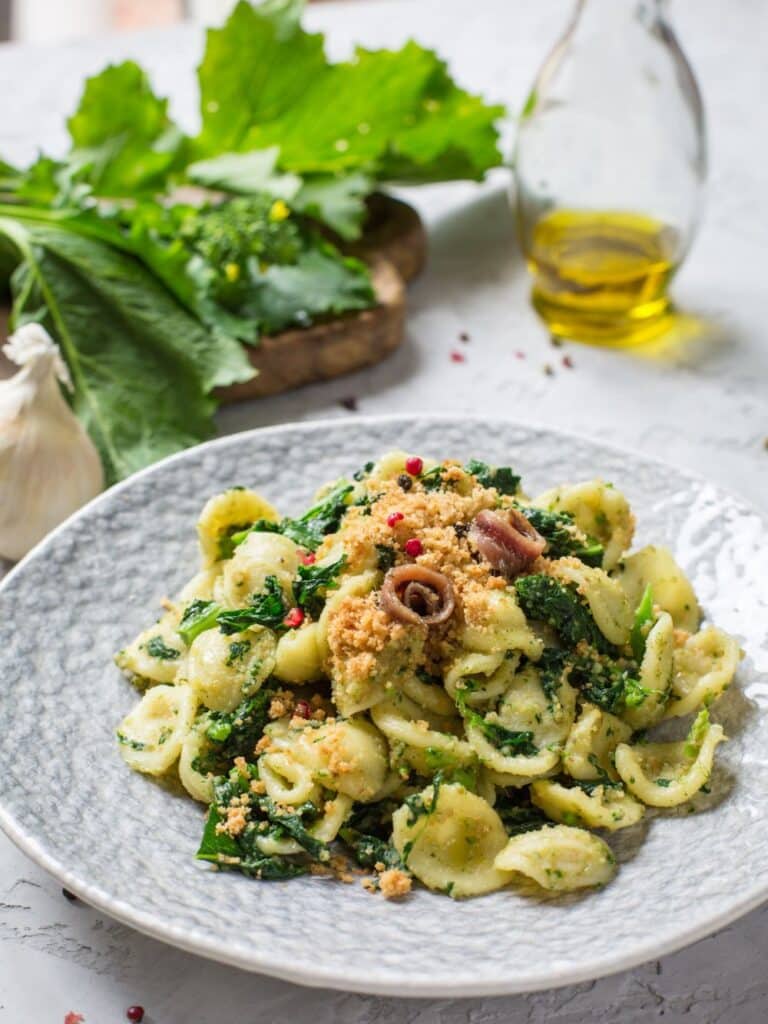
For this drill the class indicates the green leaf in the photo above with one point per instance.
(313, 582)
(141, 365)
(336, 200)
(264, 82)
(511, 742)
(157, 648)
(246, 174)
(318, 284)
(641, 625)
(308, 531)
(265, 609)
(122, 134)
(563, 537)
(545, 599)
(502, 477)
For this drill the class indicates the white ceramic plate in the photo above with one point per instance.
(127, 846)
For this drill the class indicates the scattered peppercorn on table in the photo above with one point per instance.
(474, 346)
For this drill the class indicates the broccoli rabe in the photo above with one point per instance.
(317, 522)
(563, 537)
(510, 742)
(544, 598)
(501, 477)
(313, 582)
(241, 853)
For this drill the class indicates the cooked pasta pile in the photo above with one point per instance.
(428, 675)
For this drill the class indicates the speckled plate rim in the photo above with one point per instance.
(376, 983)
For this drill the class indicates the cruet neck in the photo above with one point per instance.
(604, 15)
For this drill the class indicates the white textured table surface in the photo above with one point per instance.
(702, 405)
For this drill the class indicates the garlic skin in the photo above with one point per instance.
(49, 466)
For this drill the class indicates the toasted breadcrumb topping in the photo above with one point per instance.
(394, 883)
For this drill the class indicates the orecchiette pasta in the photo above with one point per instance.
(702, 670)
(668, 774)
(671, 589)
(449, 837)
(224, 669)
(591, 743)
(561, 858)
(602, 807)
(451, 683)
(599, 510)
(224, 514)
(151, 736)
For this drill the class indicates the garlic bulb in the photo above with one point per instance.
(49, 466)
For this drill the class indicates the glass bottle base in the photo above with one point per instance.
(630, 327)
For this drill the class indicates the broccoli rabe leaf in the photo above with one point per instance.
(124, 142)
(317, 522)
(313, 582)
(268, 608)
(547, 600)
(510, 742)
(502, 477)
(157, 648)
(563, 536)
(369, 850)
(235, 733)
(519, 815)
(293, 824)
(241, 853)
(265, 81)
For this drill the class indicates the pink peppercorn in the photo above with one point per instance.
(458, 357)
(394, 518)
(309, 559)
(414, 465)
(413, 547)
(135, 1013)
(302, 709)
(294, 618)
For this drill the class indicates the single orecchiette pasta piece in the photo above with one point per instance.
(668, 774)
(598, 510)
(348, 756)
(428, 695)
(605, 597)
(449, 840)
(152, 734)
(225, 669)
(560, 858)
(325, 828)
(196, 744)
(157, 653)
(200, 587)
(228, 513)
(287, 780)
(588, 753)
(605, 807)
(259, 556)
(703, 669)
(499, 625)
(418, 738)
(297, 658)
(482, 668)
(671, 588)
(655, 676)
(525, 709)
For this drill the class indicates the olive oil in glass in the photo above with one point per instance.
(610, 165)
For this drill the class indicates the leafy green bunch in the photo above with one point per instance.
(152, 255)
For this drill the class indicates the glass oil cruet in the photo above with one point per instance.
(610, 166)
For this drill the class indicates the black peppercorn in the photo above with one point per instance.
(405, 481)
